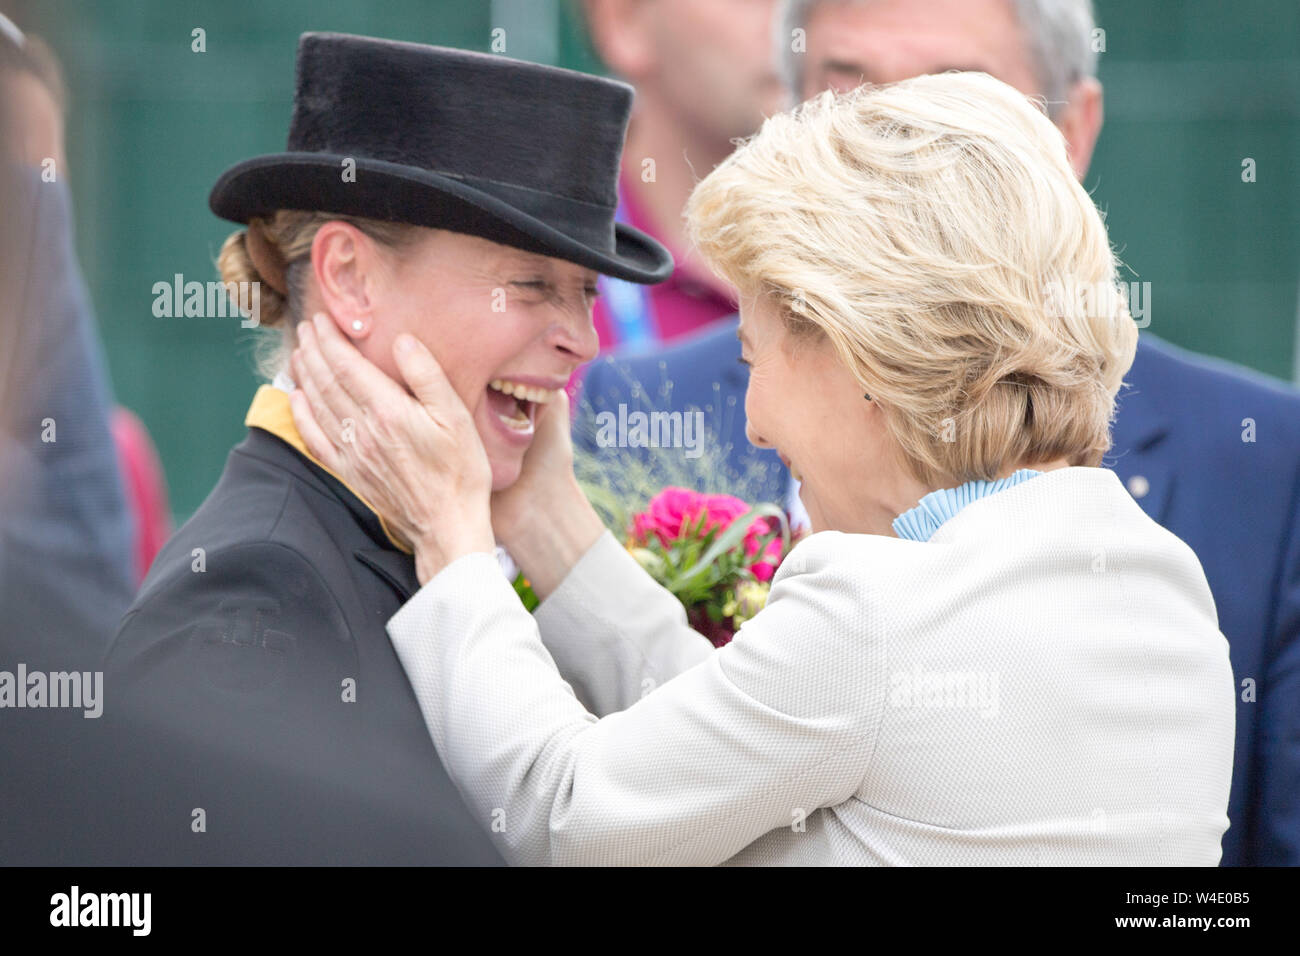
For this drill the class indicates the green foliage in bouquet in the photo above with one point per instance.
(700, 565)
(708, 561)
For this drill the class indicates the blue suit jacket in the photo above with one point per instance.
(1209, 450)
(700, 372)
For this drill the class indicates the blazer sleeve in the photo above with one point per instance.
(778, 723)
(225, 695)
(1277, 826)
(614, 633)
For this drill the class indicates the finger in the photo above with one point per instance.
(425, 377)
(309, 429)
(312, 375)
(331, 401)
(365, 384)
(554, 417)
(329, 429)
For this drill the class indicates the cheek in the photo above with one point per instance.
(472, 344)
(459, 363)
(819, 400)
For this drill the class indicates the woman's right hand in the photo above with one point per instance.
(543, 519)
(418, 461)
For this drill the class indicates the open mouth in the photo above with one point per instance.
(515, 403)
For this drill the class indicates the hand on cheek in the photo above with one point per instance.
(417, 461)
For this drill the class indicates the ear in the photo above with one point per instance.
(1080, 122)
(620, 33)
(345, 263)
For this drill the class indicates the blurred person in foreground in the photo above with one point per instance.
(65, 533)
(34, 81)
(66, 572)
(949, 431)
(254, 656)
(1178, 433)
(705, 73)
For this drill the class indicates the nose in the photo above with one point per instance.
(755, 438)
(752, 433)
(575, 335)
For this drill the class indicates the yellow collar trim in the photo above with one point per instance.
(272, 412)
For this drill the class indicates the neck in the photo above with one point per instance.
(1035, 466)
(912, 492)
(682, 156)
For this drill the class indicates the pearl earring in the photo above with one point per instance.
(357, 325)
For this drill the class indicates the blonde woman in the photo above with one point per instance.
(465, 199)
(986, 654)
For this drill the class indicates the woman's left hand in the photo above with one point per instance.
(418, 461)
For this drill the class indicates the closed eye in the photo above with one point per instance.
(541, 285)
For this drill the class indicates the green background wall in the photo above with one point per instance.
(1192, 89)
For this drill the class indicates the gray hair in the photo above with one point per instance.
(1059, 33)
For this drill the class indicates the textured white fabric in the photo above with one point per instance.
(1043, 682)
(283, 380)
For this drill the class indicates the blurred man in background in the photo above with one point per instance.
(705, 74)
(1209, 450)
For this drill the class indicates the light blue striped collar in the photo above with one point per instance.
(921, 522)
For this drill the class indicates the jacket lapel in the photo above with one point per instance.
(396, 568)
(383, 558)
(1139, 442)
(1149, 478)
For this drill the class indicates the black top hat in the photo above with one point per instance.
(514, 152)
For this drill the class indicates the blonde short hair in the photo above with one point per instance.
(934, 232)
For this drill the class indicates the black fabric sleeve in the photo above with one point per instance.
(229, 738)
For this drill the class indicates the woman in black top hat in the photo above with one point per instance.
(468, 200)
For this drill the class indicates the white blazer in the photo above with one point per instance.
(1042, 682)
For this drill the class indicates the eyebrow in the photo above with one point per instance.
(848, 66)
(517, 258)
(522, 258)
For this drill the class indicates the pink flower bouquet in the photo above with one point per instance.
(715, 554)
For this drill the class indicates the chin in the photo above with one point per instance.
(505, 471)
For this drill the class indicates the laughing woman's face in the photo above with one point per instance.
(508, 327)
(804, 402)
